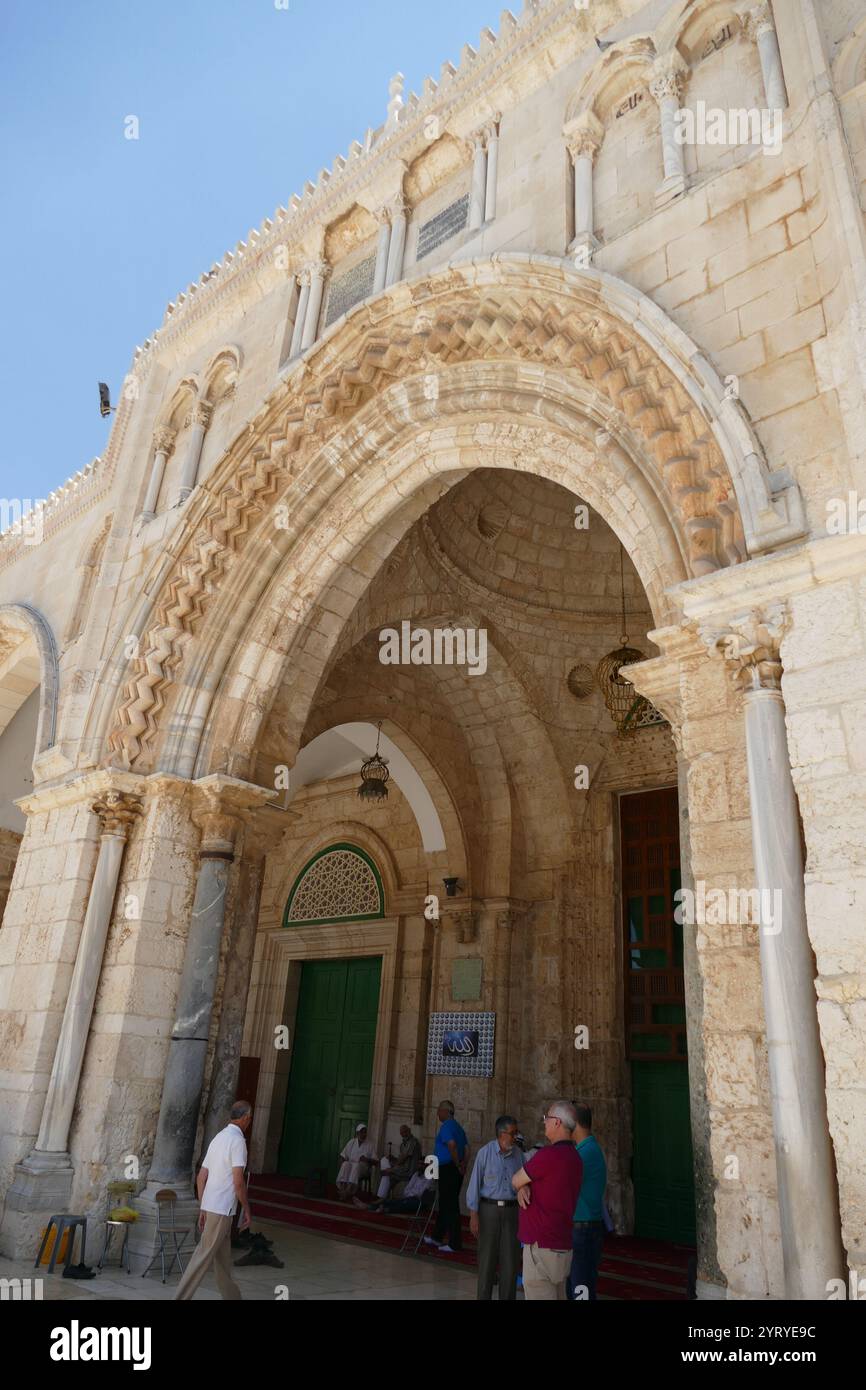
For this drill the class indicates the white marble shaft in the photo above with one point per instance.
(771, 67)
(314, 306)
(808, 1207)
(478, 191)
(673, 153)
(382, 247)
(154, 482)
(300, 316)
(69, 1056)
(583, 209)
(492, 175)
(397, 247)
(189, 475)
(184, 1077)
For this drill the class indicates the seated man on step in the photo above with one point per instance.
(358, 1158)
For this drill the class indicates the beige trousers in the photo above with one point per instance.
(545, 1272)
(214, 1248)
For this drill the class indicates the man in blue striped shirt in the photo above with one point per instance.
(493, 1210)
(587, 1232)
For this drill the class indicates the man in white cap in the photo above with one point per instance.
(357, 1157)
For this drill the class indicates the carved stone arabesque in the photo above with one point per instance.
(498, 322)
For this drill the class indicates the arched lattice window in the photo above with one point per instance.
(339, 884)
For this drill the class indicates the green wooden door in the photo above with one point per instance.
(332, 1062)
(655, 1015)
(664, 1190)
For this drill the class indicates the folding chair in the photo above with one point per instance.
(419, 1225)
(166, 1230)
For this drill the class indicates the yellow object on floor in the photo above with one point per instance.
(46, 1254)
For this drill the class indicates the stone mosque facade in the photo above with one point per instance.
(528, 364)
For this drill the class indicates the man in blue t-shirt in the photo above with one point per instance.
(587, 1232)
(451, 1148)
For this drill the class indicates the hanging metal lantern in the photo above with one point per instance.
(374, 776)
(625, 706)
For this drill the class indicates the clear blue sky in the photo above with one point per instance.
(239, 103)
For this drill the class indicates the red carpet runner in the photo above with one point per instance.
(630, 1268)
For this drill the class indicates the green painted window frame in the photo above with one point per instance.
(324, 921)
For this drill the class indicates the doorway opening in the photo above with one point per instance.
(655, 1018)
(332, 1063)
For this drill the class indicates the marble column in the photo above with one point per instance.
(239, 964)
(399, 213)
(666, 85)
(758, 23)
(382, 249)
(116, 811)
(300, 313)
(478, 190)
(492, 169)
(318, 275)
(200, 418)
(584, 138)
(163, 443)
(808, 1201)
(172, 1162)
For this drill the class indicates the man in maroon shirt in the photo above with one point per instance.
(548, 1187)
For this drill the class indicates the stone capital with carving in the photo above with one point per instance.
(201, 414)
(163, 439)
(751, 642)
(319, 270)
(464, 922)
(117, 812)
(584, 136)
(222, 807)
(399, 206)
(756, 20)
(668, 77)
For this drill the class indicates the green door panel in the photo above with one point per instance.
(662, 1167)
(332, 1063)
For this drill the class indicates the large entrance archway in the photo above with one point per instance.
(527, 368)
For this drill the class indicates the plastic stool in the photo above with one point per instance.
(63, 1222)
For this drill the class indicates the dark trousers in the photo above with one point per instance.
(586, 1244)
(448, 1222)
(498, 1245)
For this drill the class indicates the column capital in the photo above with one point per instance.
(584, 135)
(220, 810)
(163, 439)
(200, 414)
(398, 206)
(117, 811)
(668, 76)
(318, 270)
(751, 642)
(383, 215)
(756, 19)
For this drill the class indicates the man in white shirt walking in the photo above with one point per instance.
(220, 1184)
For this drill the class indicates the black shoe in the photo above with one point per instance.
(79, 1272)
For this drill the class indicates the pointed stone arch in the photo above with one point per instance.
(23, 627)
(680, 474)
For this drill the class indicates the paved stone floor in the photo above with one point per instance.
(315, 1267)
